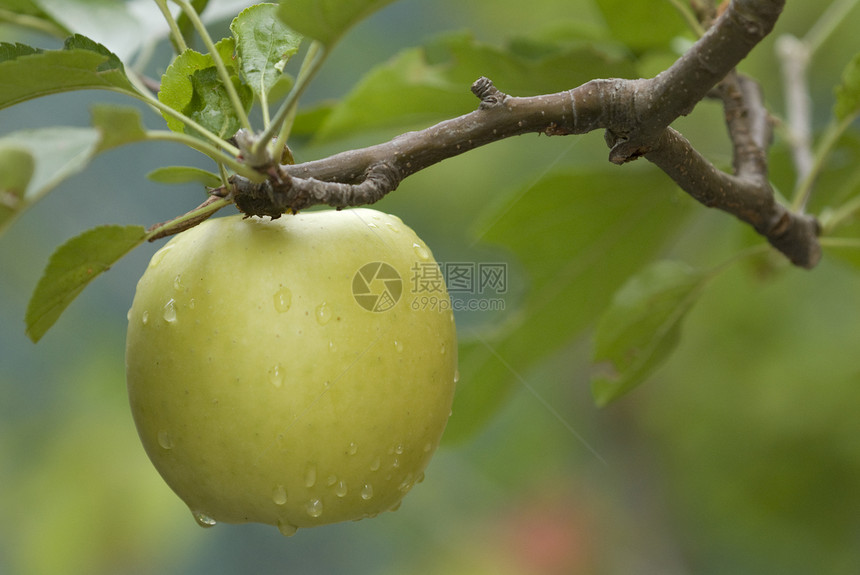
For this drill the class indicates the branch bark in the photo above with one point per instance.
(635, 115)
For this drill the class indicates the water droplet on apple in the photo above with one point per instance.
(164, 440)
(398, 345)
(158, 256)
(332, 346)
(420, 478)
(203, 520)
(392, 227)
(367, 491)
(144, 317)
(407, 484)
(314, 507)
(443, 349)
(456, 375)
(310, 475)
(372, 225)
(396, 506)
(395, 462)
(169, 311)
(279, 495)
(352, 449)
(331, 480)
(276, 375)
(374, 465)
(192, 303)
(341, 489)
(128, 314)
(323, 313)
(398, 449)
(421, 251)
(286, 528)
(428, 447)
(283, 298)
(177, 282)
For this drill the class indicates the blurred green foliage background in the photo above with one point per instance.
(740, 455)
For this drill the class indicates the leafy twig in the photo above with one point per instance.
(219, 63)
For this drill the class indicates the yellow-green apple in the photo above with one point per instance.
(282, 372)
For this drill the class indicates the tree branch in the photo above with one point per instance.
(748, 198)
(635, 114)
(676, 91)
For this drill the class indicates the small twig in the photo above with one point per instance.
(794, 59)
(186, 221)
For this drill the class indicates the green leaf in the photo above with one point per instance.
(423, 85)
(16, 170)
(263, 45)
(642, 25)
(405, 91)
(12, 51)
(327, 20)
(176, 88)
(211, 106)
(119, 125)
(184, 175)
(848, 92)
(57, 152)
(75, 264)
(80, 65)
(579, 236)
(192, 86)
(642, 326)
